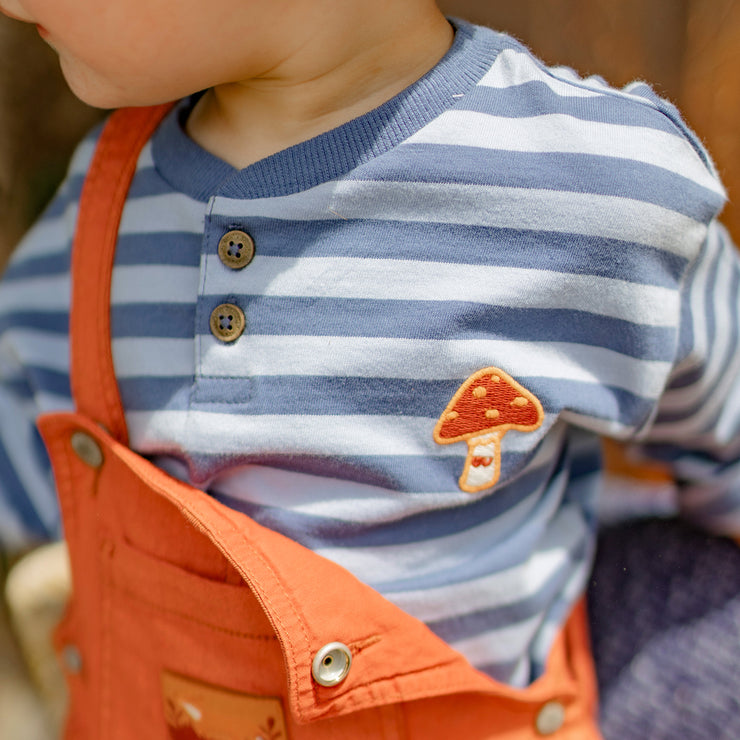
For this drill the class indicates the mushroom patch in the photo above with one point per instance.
(486, 406)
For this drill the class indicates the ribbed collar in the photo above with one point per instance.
(190, 169)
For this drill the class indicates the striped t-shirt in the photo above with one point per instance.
(451, 298)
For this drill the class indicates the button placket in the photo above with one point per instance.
(235, 251)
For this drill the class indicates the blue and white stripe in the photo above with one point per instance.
(496, 213)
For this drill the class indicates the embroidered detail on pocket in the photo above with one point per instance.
(199, 711)
(486, 406)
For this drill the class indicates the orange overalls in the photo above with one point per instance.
(189, 620)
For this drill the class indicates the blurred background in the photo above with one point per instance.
(688, 49)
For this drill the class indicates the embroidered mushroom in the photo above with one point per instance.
(486, 406)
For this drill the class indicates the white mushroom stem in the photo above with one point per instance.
(483, 463)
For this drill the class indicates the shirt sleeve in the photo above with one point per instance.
(695, 429)
(694, 426)
(34, 364)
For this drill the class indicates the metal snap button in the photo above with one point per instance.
(87, 449)
(227, 322)
(71, 659)
(236, 249)
(550, 718)
(331, 664)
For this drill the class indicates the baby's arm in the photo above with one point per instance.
(696, 426)
(34, 365)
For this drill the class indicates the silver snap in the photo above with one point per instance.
(227, 322)
(331, 664)
(550, 718)
(236, 249)
(87, 449)
(72, 659)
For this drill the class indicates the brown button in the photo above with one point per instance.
(236, 249)
(227, 322)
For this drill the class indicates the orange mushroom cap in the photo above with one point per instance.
(489, 401)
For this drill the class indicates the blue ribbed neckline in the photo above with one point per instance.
(190, 169)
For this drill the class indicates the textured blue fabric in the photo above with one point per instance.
(664, 604)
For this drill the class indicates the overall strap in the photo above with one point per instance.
(94, 387)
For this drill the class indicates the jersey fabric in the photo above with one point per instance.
(497, 215)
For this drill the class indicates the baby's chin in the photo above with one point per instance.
(99, 92)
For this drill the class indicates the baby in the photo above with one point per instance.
(347, 323)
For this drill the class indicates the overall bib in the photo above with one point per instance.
(189, 620)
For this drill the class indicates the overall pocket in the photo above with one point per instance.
(183, 655)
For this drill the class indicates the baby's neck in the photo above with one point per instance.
(323, 84)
